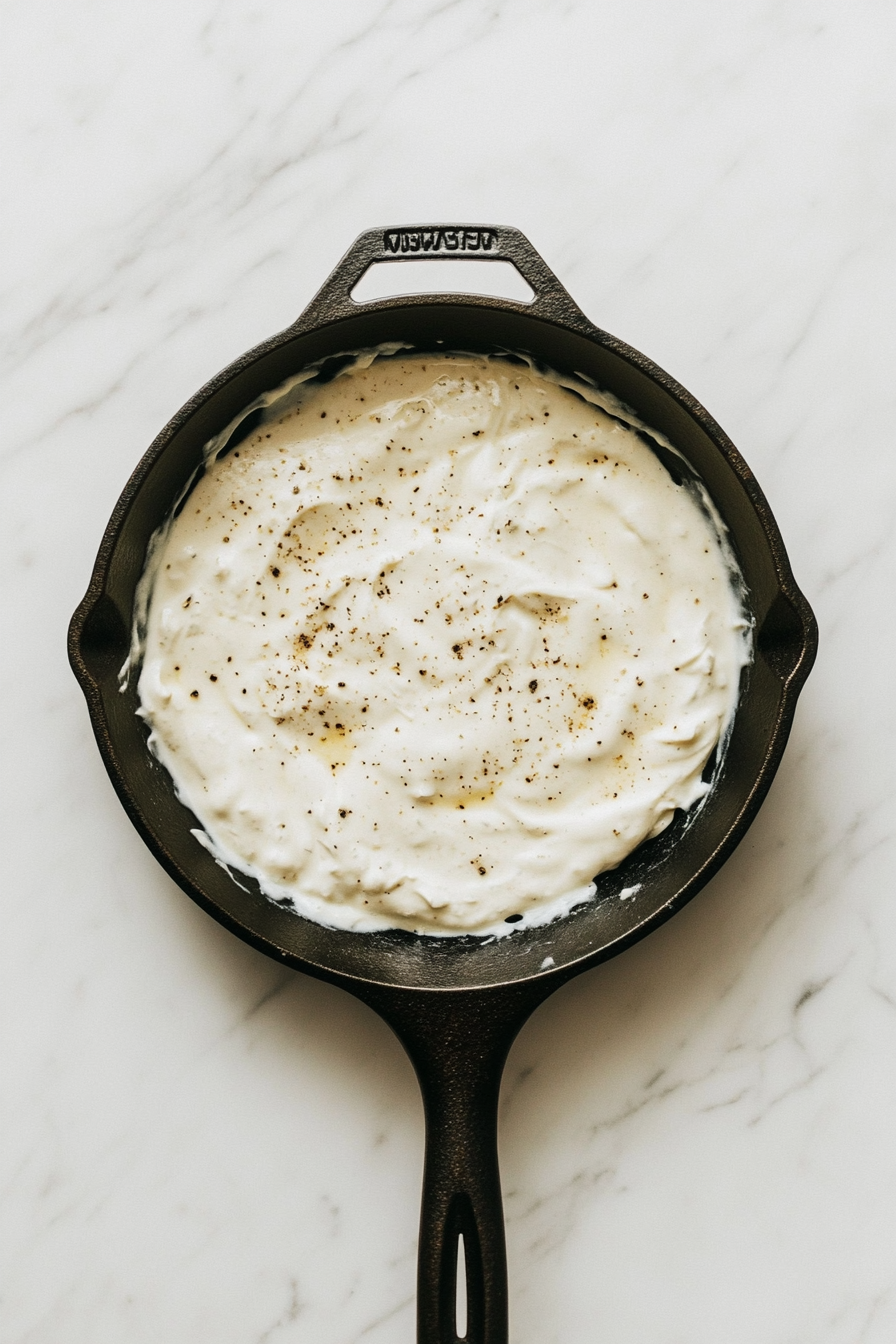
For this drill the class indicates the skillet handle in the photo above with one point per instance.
(462, 1198)
(458, 1042)
(440, 242)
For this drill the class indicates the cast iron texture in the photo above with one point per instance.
(456, 1004)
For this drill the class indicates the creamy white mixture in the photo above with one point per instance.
(436, 644)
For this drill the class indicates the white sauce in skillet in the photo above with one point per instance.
(436, 644)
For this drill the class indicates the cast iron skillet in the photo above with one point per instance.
(456, 1004)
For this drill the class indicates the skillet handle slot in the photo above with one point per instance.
(440, 242)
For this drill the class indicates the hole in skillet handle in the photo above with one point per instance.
(390, 279)
(460, 1290)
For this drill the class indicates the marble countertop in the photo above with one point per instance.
(696, 1139)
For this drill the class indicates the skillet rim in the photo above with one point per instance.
(328, 310)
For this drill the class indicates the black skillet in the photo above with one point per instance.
(456, 1004)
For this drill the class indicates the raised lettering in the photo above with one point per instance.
(439, 240)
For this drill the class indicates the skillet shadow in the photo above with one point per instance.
(588, 1055)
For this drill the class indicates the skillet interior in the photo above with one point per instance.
(670, 869)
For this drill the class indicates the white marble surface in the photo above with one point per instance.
(697, 1140)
